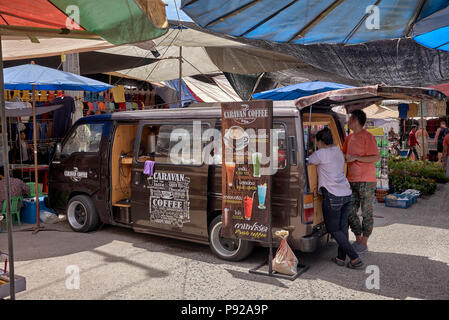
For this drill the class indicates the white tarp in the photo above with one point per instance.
(15, 48)
(212, 93)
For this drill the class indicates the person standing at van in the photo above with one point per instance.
(336, 192)
(361, 153)
(439, 138)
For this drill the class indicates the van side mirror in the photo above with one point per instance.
(58, 151)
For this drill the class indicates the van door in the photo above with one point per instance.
(79, 166)
(173, 200)
(318, 121)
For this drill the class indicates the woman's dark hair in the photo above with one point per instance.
(325, 135)
(360, 115)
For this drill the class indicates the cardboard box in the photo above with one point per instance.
(20, 285)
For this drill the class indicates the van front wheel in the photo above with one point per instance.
(227, 249)
(81, 214)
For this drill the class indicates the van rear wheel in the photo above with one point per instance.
(81, 214)
(227, 249)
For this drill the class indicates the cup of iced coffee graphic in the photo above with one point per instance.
(230, 169)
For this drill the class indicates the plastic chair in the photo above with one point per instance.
(33, 191)
(15, 209)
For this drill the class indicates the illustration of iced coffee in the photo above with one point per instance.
(230, 168)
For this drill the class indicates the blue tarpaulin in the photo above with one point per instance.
(313, 21)
(433, 31)
(299, 90)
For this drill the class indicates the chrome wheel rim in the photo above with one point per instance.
(224, 246)
(77, 214)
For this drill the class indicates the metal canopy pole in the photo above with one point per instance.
(36, 173)
(180, 77)
(12, 290)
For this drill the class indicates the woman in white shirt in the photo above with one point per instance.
(337, 194)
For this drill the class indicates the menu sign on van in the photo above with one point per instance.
(246, 177)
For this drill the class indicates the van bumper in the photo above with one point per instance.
(312, 242)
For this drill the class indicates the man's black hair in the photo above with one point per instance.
(325, 135)
(360, 115)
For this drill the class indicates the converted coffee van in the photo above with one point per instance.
(97, 175)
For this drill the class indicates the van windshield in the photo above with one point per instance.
(84, 138)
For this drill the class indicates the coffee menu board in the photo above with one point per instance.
(246, 178)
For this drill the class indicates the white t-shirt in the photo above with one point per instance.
(330, 164)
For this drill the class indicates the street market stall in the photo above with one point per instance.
(421, 175)
(33, 77)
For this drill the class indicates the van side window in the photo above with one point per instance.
(85, 138)
(173, 144)
(280, 149)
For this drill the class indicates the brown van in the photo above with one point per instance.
(99, 175)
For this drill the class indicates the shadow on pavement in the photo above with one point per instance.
(429, 211)
(400, 275)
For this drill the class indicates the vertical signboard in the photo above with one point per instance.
(247, 170)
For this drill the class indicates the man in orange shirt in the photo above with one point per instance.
(361, 153)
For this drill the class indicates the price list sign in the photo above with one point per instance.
(246, 170)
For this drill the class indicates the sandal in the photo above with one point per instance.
(358, 264)
(338, 262)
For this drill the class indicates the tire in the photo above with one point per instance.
(227, 249)
(82, 215)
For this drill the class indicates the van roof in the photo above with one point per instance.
(203, 111)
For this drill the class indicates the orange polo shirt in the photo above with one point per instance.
(362, 144)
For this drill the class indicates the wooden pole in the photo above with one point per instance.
(36, 173)
(180, 77)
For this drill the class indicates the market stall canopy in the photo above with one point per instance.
(299, 90)
(89, 62)
(219, 91)
(362, 97)
(118, 22)
(203, 53)
(375, 111)
(396, 62)
(433, 31)
(309, 22)
(24, 109)
(15, 48)
(43, 78)
(443, 88)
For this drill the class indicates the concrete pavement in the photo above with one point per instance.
(409, 248)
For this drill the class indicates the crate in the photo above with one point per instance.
(402, 201)
(403, 153)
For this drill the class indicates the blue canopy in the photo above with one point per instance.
(299, 90)
(312, 21)
(24, 76)
(433, 31)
